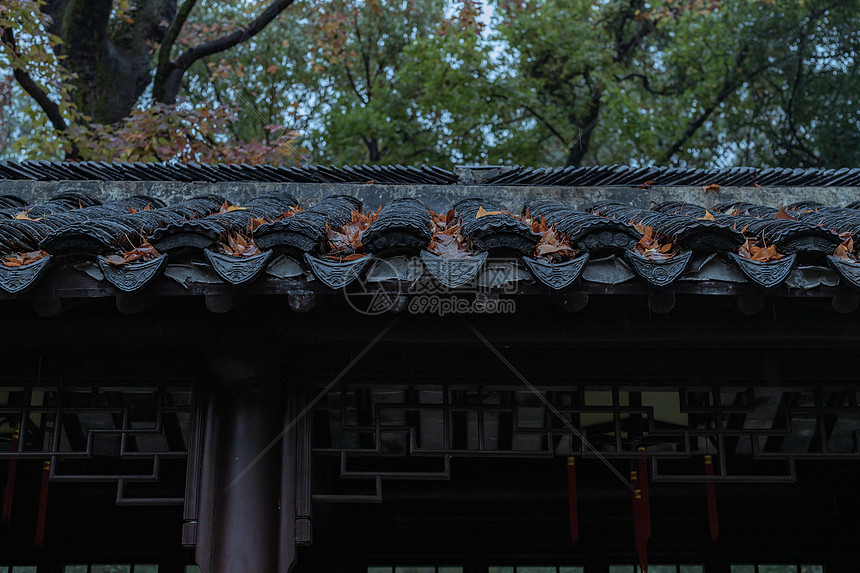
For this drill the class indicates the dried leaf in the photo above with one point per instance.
(845, 250)
(256, 222)
(483, 213)
(712, 188)
(447, 240)
(237, 245)
(23, 259)
(782, 214)
(707, 217)
(346, 241)
(25, 216)
(145, 252)
(753, 251)
(651, 246)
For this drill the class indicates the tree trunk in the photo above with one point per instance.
(112, 67)
(579, 146)
(373, 150)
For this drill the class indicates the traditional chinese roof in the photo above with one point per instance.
(324, 237)
(406, 175)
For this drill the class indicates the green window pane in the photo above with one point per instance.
(146, 569)
(75, 569)
(743, 568)
(110, 569)
(692, 569)
(777, 569)
(570, 570)
(500, 570)
(662, 569)
(811, 569)
(449, 570)
(23, 569)
(414, 570)
(621, 569)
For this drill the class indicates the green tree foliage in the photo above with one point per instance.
(694, 82)
(364, 81)
(548, 82)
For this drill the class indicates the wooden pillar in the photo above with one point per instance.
(240, 502)
(246, 532)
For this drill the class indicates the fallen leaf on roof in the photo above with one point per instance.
(653, 247)
(237, 245)
(554, 246)
(256, 222)
(712, 188)
(23, 259)
(760, 253)
(483, 213)
(145, 252)
(25, 216)
(345, 241)
(782, 214)
(845, 250)
(447, 240)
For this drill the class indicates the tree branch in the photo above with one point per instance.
(171, 73)
(729, 86)
(548, 124)
(354, 85)
(51, 109)
(164, 65)
(647, 85)
(576, 153)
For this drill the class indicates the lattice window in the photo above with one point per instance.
(757, 434)
(122, 434)
(677, 568)
(781, 568)
(111, 568)
(416, 569)
(534, 569)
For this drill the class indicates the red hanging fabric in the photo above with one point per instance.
(640, 534)
(10, 477)
(573, 506)
(646, 494)
(713, 518)
(43, 504)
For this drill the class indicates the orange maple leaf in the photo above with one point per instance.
(483, 213)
